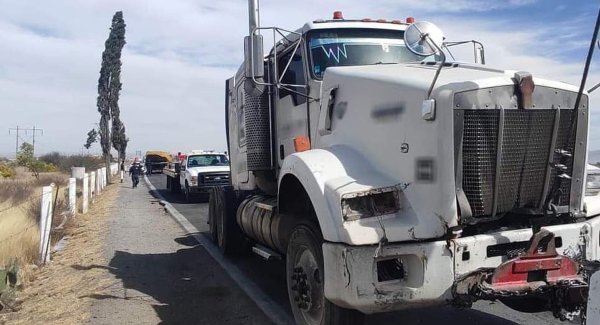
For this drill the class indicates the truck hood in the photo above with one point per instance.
(207, 169)
(376, 123)
(456, 76)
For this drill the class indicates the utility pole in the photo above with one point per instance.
(18, 131)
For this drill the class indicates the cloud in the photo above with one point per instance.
(178, 56)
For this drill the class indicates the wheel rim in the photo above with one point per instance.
(307, 286)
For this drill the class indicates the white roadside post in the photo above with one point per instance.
(93, 192)
(98, 180)
(45, 223)
(104, 180)
(72, 195)
(86, 188)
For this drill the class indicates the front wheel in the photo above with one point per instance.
(305, 282)
(188, 194)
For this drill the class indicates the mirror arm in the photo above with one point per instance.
(594, 88)
(482, 57)
(439, 69)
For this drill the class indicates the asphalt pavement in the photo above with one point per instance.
(159, 273)
(269, 277)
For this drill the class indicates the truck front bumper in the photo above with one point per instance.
(200, 189)
(407, 275)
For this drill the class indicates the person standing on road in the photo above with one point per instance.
(122, 169)
(135, 171)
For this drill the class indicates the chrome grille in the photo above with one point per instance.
(214, 179)
(480, 140)
(526, 145)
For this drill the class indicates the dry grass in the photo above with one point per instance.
(23, 186)
(20, 204)
(19, 239)
(58, 293)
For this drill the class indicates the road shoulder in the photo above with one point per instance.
(159, 274)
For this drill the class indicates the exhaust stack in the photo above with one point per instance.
(253, 45)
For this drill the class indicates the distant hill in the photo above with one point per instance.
(594, 156)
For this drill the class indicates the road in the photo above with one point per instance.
(269, 278)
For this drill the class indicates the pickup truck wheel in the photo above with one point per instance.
(305, 282)
(188, 195)
(230, 239)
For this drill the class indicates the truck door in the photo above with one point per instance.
(291, 108)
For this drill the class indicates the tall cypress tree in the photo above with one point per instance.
(109, 83)
(119, 138)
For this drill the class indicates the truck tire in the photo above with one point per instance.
(188, 195)
(175, 186)
(212, 222)
(230, 239)
(304, 273)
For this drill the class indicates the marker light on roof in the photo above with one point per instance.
(410, 20)
(397, 21)
(381, 20)
(367, 19)
(338, 15)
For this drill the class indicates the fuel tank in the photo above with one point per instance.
(258, 218)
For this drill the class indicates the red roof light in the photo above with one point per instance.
(410, 20)
(338, 15)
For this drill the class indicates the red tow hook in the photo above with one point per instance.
(540, 266)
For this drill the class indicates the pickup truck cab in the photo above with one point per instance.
(198, 172)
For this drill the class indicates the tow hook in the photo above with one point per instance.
(543, 273)
(540, 265)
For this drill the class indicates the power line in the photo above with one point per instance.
(18, 131)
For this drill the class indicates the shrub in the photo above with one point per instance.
(7, 170)
(64, 163)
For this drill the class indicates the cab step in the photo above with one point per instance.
(266, 253)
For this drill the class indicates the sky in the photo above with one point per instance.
(180, 52)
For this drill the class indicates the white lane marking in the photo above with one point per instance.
(269, 307)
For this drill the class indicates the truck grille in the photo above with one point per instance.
(526, 145)
(214, 179)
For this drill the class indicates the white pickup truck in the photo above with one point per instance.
(199, 171)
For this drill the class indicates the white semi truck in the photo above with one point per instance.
(389, 178)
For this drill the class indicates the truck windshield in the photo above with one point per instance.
(207, 160)
(344, 47)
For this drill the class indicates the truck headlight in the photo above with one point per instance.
(194, 180)
(592, 184)
(371, 203)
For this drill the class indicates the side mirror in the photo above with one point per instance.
(423, 38)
